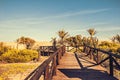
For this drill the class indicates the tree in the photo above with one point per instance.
(92, 32)
(26, 41)
(75, 41)
(94, 41)
(113, 39)
(63, 36)
(54, 42)
(117, 37)
(84, 40)
(3, 48)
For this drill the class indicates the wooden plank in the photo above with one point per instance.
(69, 69)
(68, 61)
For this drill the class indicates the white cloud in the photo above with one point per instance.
(26, 22)
(84, 12)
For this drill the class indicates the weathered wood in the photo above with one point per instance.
(58, 57)
(44, 68)
(118, 65)
(71, 69)
(96, 57)
(46, 73)
(103, 60)
(54, 66)
(105, 52)
(47, 50)
(48, 68)
(111, 65)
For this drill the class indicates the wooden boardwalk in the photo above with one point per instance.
(74, 67)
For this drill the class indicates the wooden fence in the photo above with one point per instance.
(46, 50)
(48, 68)
(95, 54)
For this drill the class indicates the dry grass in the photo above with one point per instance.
(18, 71)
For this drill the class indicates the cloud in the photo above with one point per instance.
(77, 13)
(84, 12)
(29, 22)
(19, 23)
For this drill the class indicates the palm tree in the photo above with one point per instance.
(92, 32)
(63, 36)
(54, 42)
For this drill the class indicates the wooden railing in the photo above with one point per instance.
(48, 68)
(46, 50)
(96, 54)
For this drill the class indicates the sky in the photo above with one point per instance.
(42, 19)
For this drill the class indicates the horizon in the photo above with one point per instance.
(40, 20)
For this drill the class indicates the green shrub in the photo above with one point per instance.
(19, 55)
(4, 49)
(108, 46)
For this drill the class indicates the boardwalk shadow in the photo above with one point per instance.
(80, 69)
(86, 74)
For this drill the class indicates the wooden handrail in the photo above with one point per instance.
(105, 52)
(91, 52)
(45, 69)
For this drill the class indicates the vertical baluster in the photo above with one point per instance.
(90, 53)
(62, 50)
(54, 66)
(60, 53)
(97, 57)
(111, 64)
(58, 57)
(46, 73)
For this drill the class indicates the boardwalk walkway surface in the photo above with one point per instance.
(74, 67)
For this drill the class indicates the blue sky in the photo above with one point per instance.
(41, 19)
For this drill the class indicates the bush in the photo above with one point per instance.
(3, 49)
(108, 46)
(118, 50)
(19, 55)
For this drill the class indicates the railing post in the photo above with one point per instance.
(111, 64)
(46, 73)
(58, 57)
(62, 50)
(90, 53)
(88, 50)
(54, 65)
(97, 57)
(60, 53)
(84, 48)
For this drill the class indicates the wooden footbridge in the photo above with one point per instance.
(90, 64)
